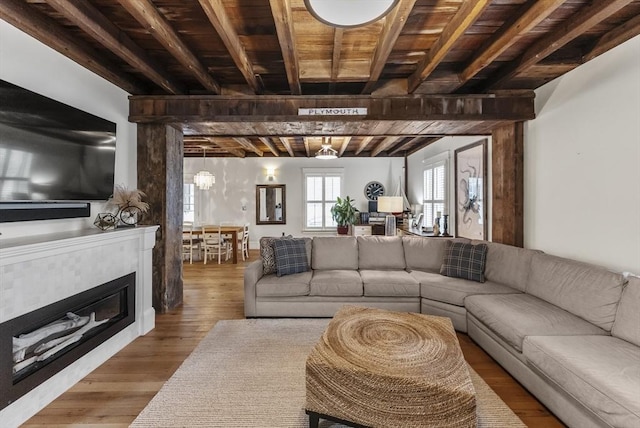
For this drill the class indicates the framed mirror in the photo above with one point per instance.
(271, 204)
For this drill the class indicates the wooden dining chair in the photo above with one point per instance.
(245, 242)
(189, 242)
(213, 242)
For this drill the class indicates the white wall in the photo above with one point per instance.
(236, 180)
(26, 62)
(582, 163)
(446, 145)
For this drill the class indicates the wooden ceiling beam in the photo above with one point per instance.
(93, 22)
(392, 27)
(536, 11)
(613, 38)
(337, 49)
(283, 18)
(267, 142)
(228, 147)
(307, 148)
(219, 18)
(405, 145)
(33, 22)
(452, 32)
(422, 145)
(249, 146)
(335, 58)
(590, 15)
(274, 108)
(287, 145)
(345, 144)
(145, 12)
(384, 145)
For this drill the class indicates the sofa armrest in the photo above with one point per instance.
(252, 273)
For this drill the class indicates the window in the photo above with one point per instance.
(435, 196)
(322, 186)
(188, 202)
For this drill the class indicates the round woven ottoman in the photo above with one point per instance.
(378, 368)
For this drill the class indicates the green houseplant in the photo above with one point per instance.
(344, 214)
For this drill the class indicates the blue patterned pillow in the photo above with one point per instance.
(463, 260)
(291, 256)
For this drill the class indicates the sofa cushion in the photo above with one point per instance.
(423, 253)
(291, 256)
(464, 260)
(588, 291)
(380, 252)
(508, 265)
(335, 252)
(601, 372)
(336, 283)
(434, 286)
(389, 283)
(288, 285)
(512, 317)
(627, 323)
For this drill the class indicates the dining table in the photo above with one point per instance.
(232, 230)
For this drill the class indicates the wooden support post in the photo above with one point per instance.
(160, 164)
(507, 225)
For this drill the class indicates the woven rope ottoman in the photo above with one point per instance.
(378, 368)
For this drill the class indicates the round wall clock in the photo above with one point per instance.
(373, 189)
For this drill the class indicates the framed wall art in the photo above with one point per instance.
(470, 190)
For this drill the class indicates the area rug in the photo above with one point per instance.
(251, 373)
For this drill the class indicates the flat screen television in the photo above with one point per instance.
(50, 151)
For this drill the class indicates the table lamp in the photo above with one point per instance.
(390, 205)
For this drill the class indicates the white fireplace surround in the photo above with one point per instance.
(39, 270)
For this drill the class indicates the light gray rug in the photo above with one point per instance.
(250, 373)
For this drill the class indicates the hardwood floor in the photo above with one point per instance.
(114, 394)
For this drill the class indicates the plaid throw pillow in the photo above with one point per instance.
(464, 261)
(291, 256)
(267, 254)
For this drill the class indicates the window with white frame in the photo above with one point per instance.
(322, 186)
(188, 202)
(435, 197)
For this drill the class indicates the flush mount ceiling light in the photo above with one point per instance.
(204, 179)
(326, 152)
(349, 13)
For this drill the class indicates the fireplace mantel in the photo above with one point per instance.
(37, 271)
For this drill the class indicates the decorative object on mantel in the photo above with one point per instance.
(130, 209)
(344, 214)
(204, 179)
(105, 221)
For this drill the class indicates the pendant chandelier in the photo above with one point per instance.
(326, 152)
(349, 13)
(204, 179)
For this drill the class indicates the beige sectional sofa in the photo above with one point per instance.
(568, 331)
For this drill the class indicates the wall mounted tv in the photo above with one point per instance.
(52, 152)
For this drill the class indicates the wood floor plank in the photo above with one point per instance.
(115, 393)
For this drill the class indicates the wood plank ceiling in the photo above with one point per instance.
(191, 54)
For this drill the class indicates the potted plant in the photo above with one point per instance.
(344, 214)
